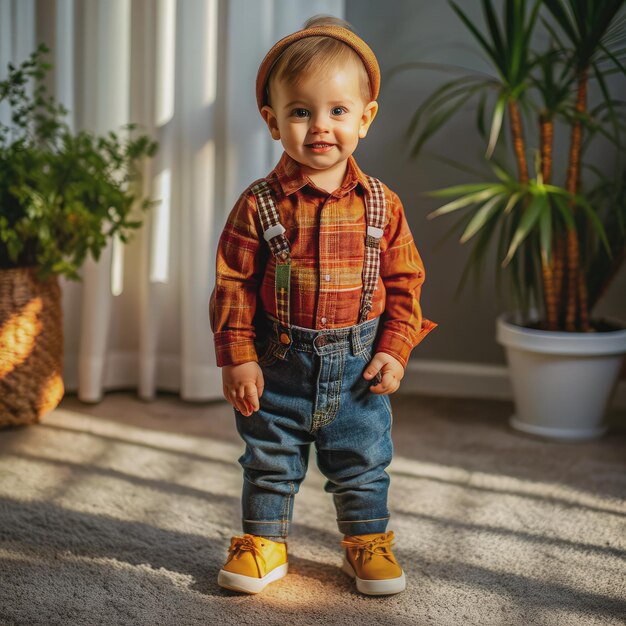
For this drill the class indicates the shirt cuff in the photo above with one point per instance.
(233, 349)
(399, 346)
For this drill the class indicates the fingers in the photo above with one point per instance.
(245, 397)
(260, 383)
(243, 385)
(249, 398)
(231, 395)
(388, 384)
(373, 367)
(386, 372)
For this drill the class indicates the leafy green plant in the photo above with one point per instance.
(562, 243)
(63, 194)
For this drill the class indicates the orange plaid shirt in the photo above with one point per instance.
(326, 233)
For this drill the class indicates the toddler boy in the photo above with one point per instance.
(317, 293)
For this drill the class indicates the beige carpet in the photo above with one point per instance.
(121, 513)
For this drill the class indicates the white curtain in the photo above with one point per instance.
(185, 71)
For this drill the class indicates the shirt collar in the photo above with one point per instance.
(291, 178)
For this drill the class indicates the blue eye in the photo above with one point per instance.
(338, 111)
(300, 113)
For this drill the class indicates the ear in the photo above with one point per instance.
(367, 118)
(270, 119)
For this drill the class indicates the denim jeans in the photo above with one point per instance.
(315, 393)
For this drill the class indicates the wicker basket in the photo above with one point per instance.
(31, 346)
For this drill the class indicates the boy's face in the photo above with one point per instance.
(320, 120)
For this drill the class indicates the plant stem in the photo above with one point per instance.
(546, 126)
(559, 272)
(576, 295)
(518, 141)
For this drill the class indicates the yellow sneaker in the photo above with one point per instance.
(253, 562)
(370, 561)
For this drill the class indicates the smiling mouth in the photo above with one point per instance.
(320, 145)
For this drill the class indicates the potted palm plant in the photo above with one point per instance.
(561, 236)
(63, 195)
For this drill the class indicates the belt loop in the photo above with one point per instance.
(355, 340)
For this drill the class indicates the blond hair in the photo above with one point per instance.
(317, 55)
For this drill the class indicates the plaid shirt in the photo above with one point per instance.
(326, 234)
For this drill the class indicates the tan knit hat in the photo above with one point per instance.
(336, 32)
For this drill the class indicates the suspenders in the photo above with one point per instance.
(375, 218)
(274, 234)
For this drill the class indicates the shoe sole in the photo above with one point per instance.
(249, 584)
(384, 587)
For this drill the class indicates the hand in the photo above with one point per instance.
(392, 373)
(243, 386)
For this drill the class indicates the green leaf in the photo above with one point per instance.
(545, 233)
(441, 95)
(474, 30)
(456, 190)
(481, 217)
(595, 221)
(436, 122)
(560, 15)
(613, 58)
(503, 175)
(565, 210)
(496, 124)
(513, 200)
(59, 190)
(471, 198)
(477, 256)
(529, 217)
(494, 29)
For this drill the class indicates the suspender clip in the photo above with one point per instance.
(374, 232)
(273, 231)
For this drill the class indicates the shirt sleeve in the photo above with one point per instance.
(239, 271)
(402, 272)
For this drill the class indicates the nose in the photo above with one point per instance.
(319, 123)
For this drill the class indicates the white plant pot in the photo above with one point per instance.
(562, 382)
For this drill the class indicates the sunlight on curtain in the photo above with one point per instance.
(117, 267)
(160, 235)
(165, 60)
(211, 54)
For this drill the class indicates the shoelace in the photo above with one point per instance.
(371, 547)
(239, 545)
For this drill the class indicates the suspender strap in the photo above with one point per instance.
(375, 217)
(273, 230)
(274, 234)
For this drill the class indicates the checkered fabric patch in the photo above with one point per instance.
(269, 219)
(274, 234)
(375, 217)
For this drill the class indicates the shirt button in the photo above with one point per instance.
(323, 320)
(327, 277)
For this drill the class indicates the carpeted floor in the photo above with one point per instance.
(121, 514)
